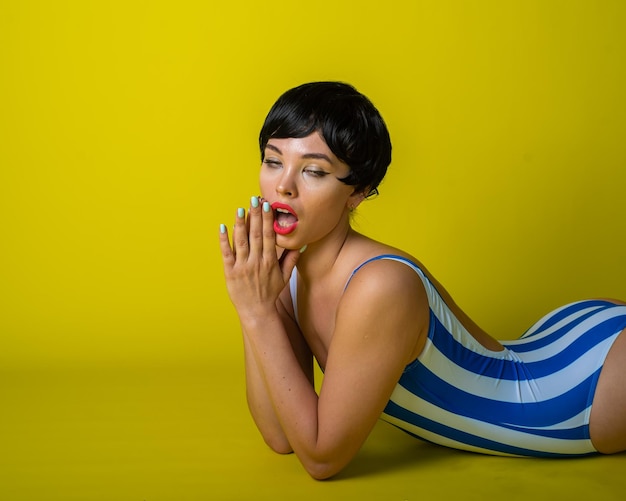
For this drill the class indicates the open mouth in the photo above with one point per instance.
(285, 218)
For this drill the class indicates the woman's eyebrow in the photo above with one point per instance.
(318, 156)
(272, 147)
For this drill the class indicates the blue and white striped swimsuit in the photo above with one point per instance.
(531, 399)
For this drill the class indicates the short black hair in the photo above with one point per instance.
(350, 124)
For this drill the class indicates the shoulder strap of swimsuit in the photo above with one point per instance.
(393, 257)
(293, 280)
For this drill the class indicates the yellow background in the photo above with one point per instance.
(128, 133)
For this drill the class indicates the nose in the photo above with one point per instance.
(286, 184)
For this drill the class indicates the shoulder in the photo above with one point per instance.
(387, 273)
(386, 285)
(386, 304)
(373, 264)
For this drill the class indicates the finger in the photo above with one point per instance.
(255, 225)
(240, 236)
(228, 258)
(269, 235)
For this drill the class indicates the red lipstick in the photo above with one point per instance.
(285, 218)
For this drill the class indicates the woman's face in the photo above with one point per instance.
(300, 179)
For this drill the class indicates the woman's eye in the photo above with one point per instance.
(271, 163)
(315, 173)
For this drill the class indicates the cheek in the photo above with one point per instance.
(331, 209)
(264, 183)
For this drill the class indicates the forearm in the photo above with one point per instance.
(259, 400)
(290, 390)
(260, 404)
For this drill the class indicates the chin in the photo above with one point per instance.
(287, 243)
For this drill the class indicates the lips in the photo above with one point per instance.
(285, 218)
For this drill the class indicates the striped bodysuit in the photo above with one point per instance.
(531, 399)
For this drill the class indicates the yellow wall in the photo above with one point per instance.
(128, 133)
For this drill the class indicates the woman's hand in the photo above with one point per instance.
(254, 274)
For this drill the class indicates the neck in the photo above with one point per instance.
(320, 258)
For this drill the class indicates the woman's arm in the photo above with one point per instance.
(380, 321)
(259, 403)
(377, 332)
(258, 281)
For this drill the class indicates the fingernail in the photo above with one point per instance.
(255, 202)
(266, 206)
(303, 248)
(240, 212)
(222, 228)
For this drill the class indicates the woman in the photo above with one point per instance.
(390, 340)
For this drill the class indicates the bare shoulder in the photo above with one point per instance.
(387, 298)
(384, 276)
(378, 267)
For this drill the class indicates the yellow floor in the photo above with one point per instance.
(184, 434)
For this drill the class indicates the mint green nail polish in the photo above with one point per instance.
(266, 206)
(240, 212)
(303, 248)
(222, 228)
(254, 201)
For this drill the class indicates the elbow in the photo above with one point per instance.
(278, 444)
(322, 470)
(318, 466)
(316, 469)
(324, 462)
(320, 474)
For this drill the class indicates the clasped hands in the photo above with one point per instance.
(256, 270)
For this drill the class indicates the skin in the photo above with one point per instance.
(362, 336)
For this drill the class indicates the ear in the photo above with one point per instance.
(355, 199)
